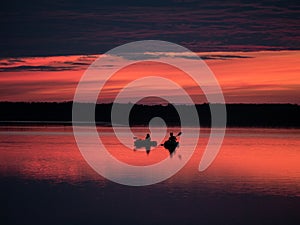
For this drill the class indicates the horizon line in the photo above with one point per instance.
(109, 103)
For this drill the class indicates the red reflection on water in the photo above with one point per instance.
(42, 153)
(254, 160)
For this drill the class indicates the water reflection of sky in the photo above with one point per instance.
(262, 161)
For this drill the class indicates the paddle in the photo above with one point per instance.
(179, 134)
(175, 136)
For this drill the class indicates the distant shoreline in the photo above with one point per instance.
(238, 115)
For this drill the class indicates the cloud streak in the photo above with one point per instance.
(80, 63)
(55, 63)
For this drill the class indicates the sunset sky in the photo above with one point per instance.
(253, 48)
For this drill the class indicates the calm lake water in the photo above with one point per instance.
(254, 179)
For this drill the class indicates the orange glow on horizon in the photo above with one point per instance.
(146, 69)
(247, 77)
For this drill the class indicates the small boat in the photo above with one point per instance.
(170, 144)
(140, 143)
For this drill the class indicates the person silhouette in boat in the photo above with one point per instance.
(172, 138)
(148, 138)
(147, 147)
(171, 144)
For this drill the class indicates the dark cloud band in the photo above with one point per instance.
(88, 27)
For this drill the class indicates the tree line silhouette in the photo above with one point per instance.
(238, 115)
